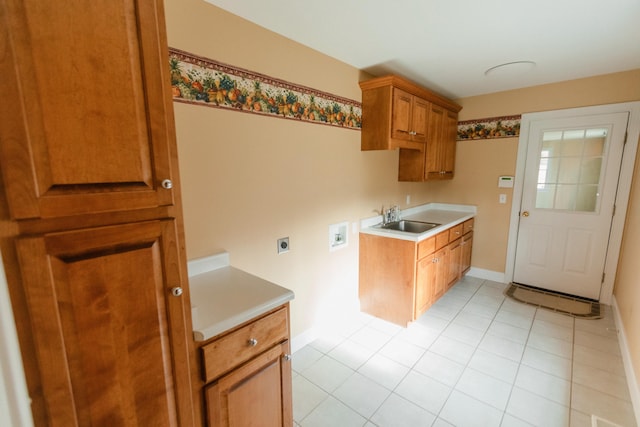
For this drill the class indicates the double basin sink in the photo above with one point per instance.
(409, 226)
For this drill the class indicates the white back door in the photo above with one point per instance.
(570, 182)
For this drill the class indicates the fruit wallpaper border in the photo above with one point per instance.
(203, 81)
(490, 128)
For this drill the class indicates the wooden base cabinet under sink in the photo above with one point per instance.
(401, 279)
(247, 374)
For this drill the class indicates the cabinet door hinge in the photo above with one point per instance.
(614, 210)
(602, 277)
(626, 134)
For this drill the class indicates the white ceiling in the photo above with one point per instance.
(447, 45)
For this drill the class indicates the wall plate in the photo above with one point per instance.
(283, 245)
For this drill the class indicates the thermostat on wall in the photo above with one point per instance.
(505, 181)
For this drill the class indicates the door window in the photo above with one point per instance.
(570, 169)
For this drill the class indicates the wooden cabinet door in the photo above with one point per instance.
(257, 394)
(425, 281)
(434, 141)
(453, 267)
(448, 152)
(90, 122)
(440, 280)
(401, 115)
(467, 244)
(111, 339)
(419, 114)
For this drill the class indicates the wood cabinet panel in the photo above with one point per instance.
(387, 278)
(453, 265)
(111, 341)
(441, 259)
(465, 257)
(91, 128)
(256, 394)
(401, 279)
(395, 114)
(228, 351)
(467, 226)
(426, 247)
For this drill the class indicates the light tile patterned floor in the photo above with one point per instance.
(474, 359)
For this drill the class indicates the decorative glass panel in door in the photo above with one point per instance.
(570, 169)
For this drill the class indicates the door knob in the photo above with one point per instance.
(177, 291)
(525, 213)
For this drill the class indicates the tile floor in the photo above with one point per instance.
(475, 359)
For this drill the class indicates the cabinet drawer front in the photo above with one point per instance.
(455, 232)
(467, 226)
(426, 247)
(233, 349)
(442, 239)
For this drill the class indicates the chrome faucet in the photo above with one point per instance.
(389, 215)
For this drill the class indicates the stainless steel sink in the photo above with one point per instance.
(409, 226)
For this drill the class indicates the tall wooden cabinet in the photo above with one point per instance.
(90, 220)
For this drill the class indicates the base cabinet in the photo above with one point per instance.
(247, 372)
(401, 279)
(255, 394)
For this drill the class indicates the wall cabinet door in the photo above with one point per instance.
(90, 125)
(257, 394)
(111, 339)
(441, 143)
(409, 118)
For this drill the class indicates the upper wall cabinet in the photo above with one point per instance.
(397, 113)
(89, 121)
(409, 119)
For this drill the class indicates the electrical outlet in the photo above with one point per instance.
(283, 245)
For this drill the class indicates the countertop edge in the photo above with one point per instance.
(213, 282)
(242, 317)
(466, 212)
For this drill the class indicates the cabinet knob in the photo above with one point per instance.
(176, 291)
(434, 260)
(167, 184)
(253, 342)
(286, 357)
(525, 213)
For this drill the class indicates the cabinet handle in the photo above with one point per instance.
(286, 357)
(167, 184)
(176, 291)
(253, 342)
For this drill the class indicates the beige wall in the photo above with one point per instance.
(248, 180)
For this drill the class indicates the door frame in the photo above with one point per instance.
(622, 195)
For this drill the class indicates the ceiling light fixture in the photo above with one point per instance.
(511, 68)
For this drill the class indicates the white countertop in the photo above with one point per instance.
(225, 297)
(447, 215)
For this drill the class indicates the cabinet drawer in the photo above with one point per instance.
(229, 351)
(426, 247)
(442, 239)
(455, 232)
(467, 226)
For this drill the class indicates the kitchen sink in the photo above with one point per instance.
(409, 226)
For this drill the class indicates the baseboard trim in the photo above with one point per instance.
(634, 388)
(480, 273)
(303, 339)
